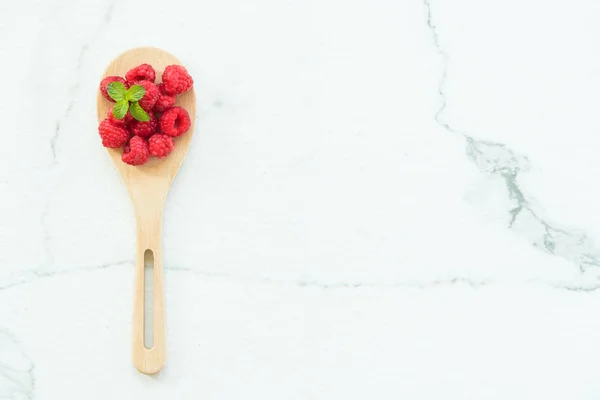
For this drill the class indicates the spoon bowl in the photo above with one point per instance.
(148, 186)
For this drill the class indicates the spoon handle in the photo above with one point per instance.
(149, 358)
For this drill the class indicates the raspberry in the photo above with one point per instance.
(160, 145)
(136, 152)
(143, 72)
(175, 121)
(151, 95)
(176, 80)
(144, 129)
(113, 136)
(119, 122)
(106, 81)
(164, 102)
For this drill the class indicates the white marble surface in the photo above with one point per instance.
(384, 199)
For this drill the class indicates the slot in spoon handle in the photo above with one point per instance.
(149, 360)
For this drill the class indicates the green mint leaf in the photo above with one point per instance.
(135, 93)
(120, 109)
(138, 112)
(116, 90)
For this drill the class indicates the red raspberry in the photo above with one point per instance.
(150, 97)
(128, 118)
(160, 145)
(106, 81)
(175, 121)
(176, 80)
(144, 129)
(143, 72)
(164, 102)
(136, 152)
(113, 136)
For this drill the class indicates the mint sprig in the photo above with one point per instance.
(120, 109)
(127, 99)
(135, 93)
(116, 90)
(138, 112)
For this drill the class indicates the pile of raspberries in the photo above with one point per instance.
(140, 139)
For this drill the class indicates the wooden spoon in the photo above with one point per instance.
(148, 186)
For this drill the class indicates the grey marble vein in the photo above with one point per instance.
(17, 379)
(498, 159)
(567, 243)
(415, 285)
(473, 283)
(33, 275)
(58, 126)
(76, 84)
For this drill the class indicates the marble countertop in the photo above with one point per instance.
(383, 199)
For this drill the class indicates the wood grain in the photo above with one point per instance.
(148, 186)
